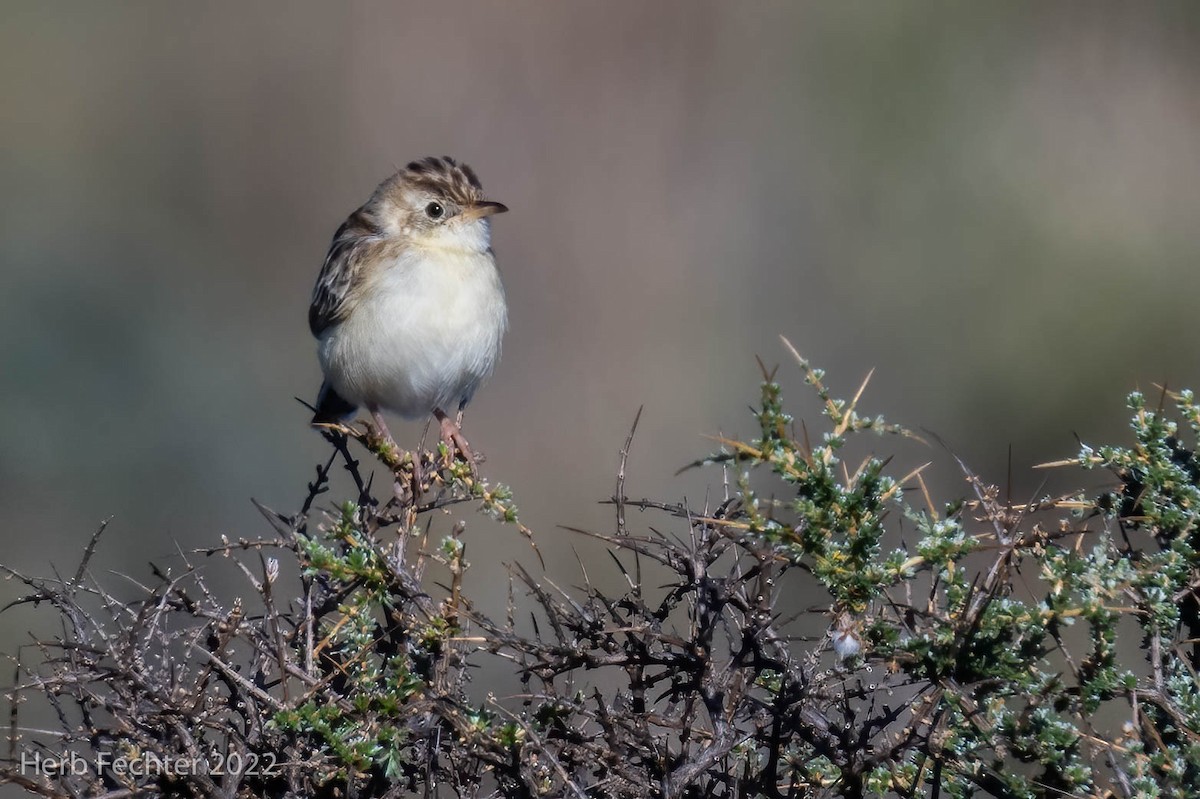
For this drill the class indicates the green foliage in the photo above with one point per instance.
(838, 520)
(1002, 679)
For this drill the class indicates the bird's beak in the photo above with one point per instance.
(483, 208)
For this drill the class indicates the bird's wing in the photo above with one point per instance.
(333, 296)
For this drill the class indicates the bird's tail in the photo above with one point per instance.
(331, 407)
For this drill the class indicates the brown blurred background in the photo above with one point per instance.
(994, 205)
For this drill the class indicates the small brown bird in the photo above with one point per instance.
(409, 310)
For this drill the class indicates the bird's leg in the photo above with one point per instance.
(452, 435)
(377, 417)
(381, 425)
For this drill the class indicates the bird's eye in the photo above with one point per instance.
(435, 210)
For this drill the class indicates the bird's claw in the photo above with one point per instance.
(453, 438)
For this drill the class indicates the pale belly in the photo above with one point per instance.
(424, 337)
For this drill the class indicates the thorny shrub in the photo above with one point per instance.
(1038, 650)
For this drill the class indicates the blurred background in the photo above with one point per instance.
(995, 206)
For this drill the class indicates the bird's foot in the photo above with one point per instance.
(386, 446)
(453, 438)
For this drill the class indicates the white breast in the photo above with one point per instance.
(424, 335)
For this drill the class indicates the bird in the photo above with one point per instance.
(409, 310)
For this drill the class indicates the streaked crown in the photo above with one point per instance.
(440, 177)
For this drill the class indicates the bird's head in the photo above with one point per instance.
(436, 203)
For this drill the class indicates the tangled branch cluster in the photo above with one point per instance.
(1041, 650)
